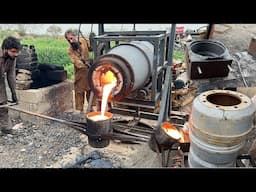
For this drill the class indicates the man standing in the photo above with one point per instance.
(10, 50)
(79, 56)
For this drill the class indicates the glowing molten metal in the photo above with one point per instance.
(171, 130)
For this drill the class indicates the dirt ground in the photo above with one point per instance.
(51, 145)
(236, 37)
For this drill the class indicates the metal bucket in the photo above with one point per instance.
(162, 139)
(98, 128)
(218, 127)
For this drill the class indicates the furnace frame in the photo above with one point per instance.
(163, 50)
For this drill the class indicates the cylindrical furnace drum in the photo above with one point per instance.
(131, 63)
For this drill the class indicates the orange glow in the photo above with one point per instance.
(107, 78)
(184, 136)
(171, 130)
(98, 118)
(96, 115)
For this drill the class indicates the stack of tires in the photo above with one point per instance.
(27, 59)
(23, 79)
(42, 74)
(49, 74)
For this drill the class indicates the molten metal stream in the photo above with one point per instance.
(106, 91)
(109, 81)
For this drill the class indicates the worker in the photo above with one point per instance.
(10, 50)
(79, 56)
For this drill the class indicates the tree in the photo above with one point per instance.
(54, 30)
(22, 29)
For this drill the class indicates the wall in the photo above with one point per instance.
(49, 100)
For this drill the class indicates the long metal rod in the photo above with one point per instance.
(46, 117)
(143, 33)
(240, 71)
(209, 30)
(171, 45)
(165, 100)
(90, 102)
(7, 105)
(82, 128)
(134, 28)
(101, 29)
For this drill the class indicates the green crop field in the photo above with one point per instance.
(54, 51)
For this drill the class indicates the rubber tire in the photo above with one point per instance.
(56, 75)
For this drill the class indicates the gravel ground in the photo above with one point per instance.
(236, 37)
(53, 145)
(33, 146)
(3, 117)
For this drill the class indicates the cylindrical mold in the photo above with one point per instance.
(98, 127)
(208, 49)
(131, 63)
(219, 123)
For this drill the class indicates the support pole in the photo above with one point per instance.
(165, 106)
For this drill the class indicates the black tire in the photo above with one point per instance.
(29, 59)
(57, 67)
(20, 59)
(28, 66)
(35, 75)
(26, 59)
(57, 75)
(34, 55)
(46, 67)
(49, 67)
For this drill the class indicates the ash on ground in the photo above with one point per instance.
(47, 145)
(33, 146)
(94, 159)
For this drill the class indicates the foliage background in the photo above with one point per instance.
(53, 49)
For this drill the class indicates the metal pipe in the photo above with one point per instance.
(210, 29)
(164, 111)
(101, 29)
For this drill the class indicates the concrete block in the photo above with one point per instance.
(30, 95)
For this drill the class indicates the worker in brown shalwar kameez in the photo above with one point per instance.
(79, 55)
(10, 50)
